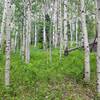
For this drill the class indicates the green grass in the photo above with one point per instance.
(42, 80)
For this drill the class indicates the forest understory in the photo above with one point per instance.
(43, 80)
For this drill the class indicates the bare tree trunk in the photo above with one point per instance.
(44, 26)
(15, 42)
(86, 44)
(60, 29)
(98, 46)
(35, 35)
(8, 41)
(2, 36)
(71, 34)
(35, 17)
(55, 24)
(65, 29)
(28, 31)
(24, 29)
(76, 32)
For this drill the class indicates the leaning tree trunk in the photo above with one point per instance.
(98, 46)
(8, 30)
(86, 44)
(65, 29)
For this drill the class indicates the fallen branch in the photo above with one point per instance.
(73, 49)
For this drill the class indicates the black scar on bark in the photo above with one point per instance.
(66, 52)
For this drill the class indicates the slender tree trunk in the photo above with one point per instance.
(35, 35)
(98, 46)
(15, 42)
(86, 44)
(44, 31)
(76, 32)
(60, 29)
(71, 34)
(2, 36)
(50, 44)
(51, 35)
(8, 41)
(55, 24)
(13, 26)
(65, 28)
(28, 31)
(24, 29)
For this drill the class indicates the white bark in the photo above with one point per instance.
(28, 32)
(15, 43)
(86, 44)
(2, 36)
(60, 29)
(24, 29)
(65, 27)
(98, 46)
(76, 32)
(55, 24)
(8, 30)
(44, 30)
(35, 36)
(12, 44)
(71, 34)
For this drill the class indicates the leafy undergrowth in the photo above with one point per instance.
(43, 80)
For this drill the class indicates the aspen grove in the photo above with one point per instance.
(49, 49)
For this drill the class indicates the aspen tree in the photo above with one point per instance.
(2, 36)
(98, 46)
(86, 44)
(8, 42)
(28, 31)
(24, 29)
(76, 32)
(56, 24)
(44, 26)
(35, 44)
(65, 28)
(60, 28)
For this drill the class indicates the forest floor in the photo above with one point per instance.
(43, 80)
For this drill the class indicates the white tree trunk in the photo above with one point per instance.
(28, 32)
(86, 44)
(15, 42)
(12, 44)
(8, 43)
(71, 34)
(44, 31)
(54, 4)
(65, 28)
(24, 29)
(2, 36)
(35, 36)
(76, 32)
(98, 46)
(60, 29)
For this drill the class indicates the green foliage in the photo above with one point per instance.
(41, 80)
